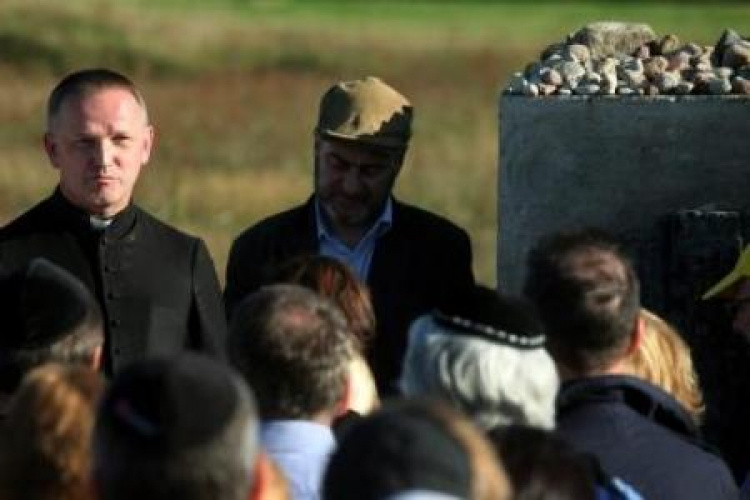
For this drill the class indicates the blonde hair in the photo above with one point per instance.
(663, 358)
(47, 434)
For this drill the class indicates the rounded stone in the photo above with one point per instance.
(723, 72)
(516, 84)
(587, 89)
(551, 76)
(719, 86)
(736, 55)
(578, 52)
(666, 81)
(741, 86)
(683, 88)
(678, 61)
(572, 72)
(668, 44)
(655, 66)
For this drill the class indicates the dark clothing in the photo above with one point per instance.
(422, 262)
(643, 436)
(157, 286)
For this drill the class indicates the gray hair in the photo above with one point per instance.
(495, 384)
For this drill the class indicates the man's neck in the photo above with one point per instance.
(350, 236)
(619, 367)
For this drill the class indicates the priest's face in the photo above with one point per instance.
(99, 143)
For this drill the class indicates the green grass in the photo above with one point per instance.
(233, 89)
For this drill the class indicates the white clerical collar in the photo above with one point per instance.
(99, 223)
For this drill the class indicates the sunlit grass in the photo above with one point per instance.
(233, 88)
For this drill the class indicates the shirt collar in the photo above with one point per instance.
(116, 227)
(381, 225)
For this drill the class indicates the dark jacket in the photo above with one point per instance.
(422, 262)
(157, 286)
(643, 436)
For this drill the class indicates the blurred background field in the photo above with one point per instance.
(233, 88)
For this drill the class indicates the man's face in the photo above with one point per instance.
(99, 143)
(739, 303)
(353, 182)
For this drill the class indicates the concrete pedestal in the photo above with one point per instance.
(620, 163)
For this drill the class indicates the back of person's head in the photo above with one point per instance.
(293, 347)
(415, 446)
(333, 279)
(663, 358)
(46, 438)
(543, 466)
(587, 294)
(85, 82)
(183, 428)
(48, 316)
(490, 362)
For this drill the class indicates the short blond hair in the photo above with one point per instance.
(663, 358)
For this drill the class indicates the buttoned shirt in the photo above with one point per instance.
(358, 258)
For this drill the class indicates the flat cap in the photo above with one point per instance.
(167, 405)
(367, 111)
(391, 451)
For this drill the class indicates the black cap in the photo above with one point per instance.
(41, 303)
(165, 405)
(392, 451)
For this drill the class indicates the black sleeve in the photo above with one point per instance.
(208, 325)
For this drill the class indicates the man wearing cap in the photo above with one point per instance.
(488, 361)
(412, 260)
(48, 316)
(156, 286)
(184, 427)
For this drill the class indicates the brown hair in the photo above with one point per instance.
(334, 280)
(663, 358)
(587, 294)
(47, 435)
(86, 82)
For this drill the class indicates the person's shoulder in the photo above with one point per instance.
(162, 230)
(293, 220)
(413, 218)
(27, 220)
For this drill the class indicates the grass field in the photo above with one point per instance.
(233, 89)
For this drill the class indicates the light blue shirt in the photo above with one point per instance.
(301, 449)
(358, 258)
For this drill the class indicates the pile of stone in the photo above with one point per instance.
(610, 58)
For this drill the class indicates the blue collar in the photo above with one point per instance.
(381, 225)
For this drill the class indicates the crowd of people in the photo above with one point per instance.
(351, 354)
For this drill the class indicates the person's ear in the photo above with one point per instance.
(636, 337)
(97, 358)
(346, 396)
(50, 147)
(149, 139)
(262, 477)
